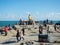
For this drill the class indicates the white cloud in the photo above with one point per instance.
(58, 13)
(11, 17)
(36, 16)
(27, 12)
(50, 16)
(54, 16)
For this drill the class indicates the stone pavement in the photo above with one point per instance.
(32, 37)
(12, 40)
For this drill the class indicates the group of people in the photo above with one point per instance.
(47, 28)
(20, 34)
(29, 22)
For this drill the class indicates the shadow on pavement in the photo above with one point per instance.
(33, 35)
(8, 42)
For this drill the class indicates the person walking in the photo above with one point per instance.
(17, 35)
(23, 30)
(21, 35)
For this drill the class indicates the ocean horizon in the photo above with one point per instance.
(6, 23)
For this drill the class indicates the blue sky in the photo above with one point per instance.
(39, 9)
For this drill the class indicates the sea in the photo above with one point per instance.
(6, 23)
(11, 23)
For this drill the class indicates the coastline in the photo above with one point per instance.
(6, 23)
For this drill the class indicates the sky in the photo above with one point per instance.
(13, 10)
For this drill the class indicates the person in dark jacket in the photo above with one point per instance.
(48, 29)
(40, 29)
(55, 27)
(17, 35)
(23, 30)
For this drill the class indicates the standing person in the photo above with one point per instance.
(40, 29)
(5, 30)
(26, 22)
(17, 35)
(47, 29)
(23, 30)
(47, 21)
(21, 35)
(55, 27)
(20, 21)
(44, 23)
(29, 19)
(33, 23)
